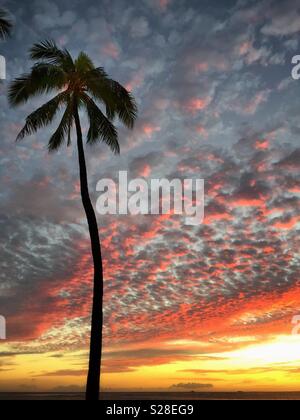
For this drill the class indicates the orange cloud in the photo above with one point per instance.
(262, 144)
(289, 224)
(146, 171)
(248, 202)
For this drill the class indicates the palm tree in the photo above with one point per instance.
(79, 85)
(5, 24)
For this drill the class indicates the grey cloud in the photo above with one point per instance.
(140, 28)
(284, 18)
(192, 386)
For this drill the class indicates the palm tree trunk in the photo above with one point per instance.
(93, 380)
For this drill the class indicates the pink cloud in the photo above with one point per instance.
(259, 98)
(195, 105)
(244, 48)
(201, 67)
(112, 50)
(201, 130)
(149, 129)
(163, 4)
(136, 81)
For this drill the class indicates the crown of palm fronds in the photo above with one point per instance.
(80, 85)
(5, 24)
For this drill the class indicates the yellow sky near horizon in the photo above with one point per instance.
(269, 366)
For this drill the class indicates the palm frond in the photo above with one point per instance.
(50, 52)
(43, 78)
(97, 74)
(101, 129)
(43, 116)
(63, 131)
(97, 81)
(5, 24)
(84, 64)
(117, 99)
(124, 104)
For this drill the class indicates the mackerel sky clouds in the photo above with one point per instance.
(217, 102)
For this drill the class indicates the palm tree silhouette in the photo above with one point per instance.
(80, 85)
(5, 24)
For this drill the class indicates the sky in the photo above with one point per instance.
(206, 307)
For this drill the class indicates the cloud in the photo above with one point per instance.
(112, 50)
(291, 161)
(252, 106)
(284, 19)
(192, 386)
(140, 28)
(65, 372)
(68, 388)
(163, 4)
(48, 16)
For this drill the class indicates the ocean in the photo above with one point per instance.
(167, 396)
